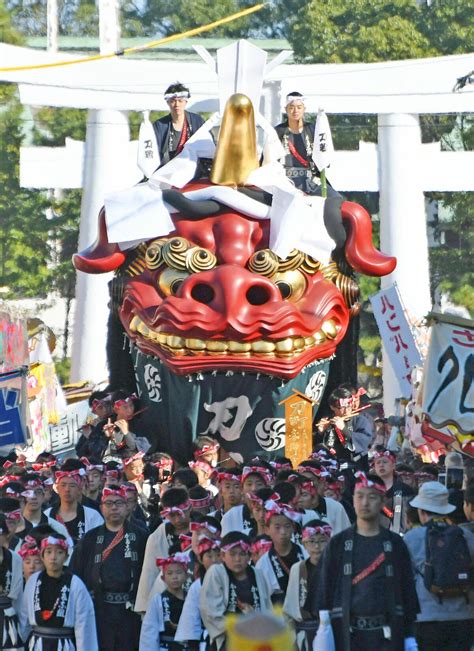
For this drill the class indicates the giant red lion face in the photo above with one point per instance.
(212, 295)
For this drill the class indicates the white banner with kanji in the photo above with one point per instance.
(397, 336)
(448, 390)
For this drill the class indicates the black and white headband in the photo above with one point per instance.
(295, 98)
(183, 94)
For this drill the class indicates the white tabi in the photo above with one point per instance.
(214, 600)
(79, 616)
(157, 546)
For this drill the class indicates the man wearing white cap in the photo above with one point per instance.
(442, 557)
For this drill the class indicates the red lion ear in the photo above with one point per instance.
(100, 257)
(359, 250)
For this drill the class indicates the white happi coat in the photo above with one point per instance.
(153, 624)
(92, 518)
(214, 599)
(190, 623)
(79, 615)
(265, 566)
(233, 520)
(156, 547)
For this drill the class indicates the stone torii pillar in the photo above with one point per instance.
(107, 137)
(403, 229)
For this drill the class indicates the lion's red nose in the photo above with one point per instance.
(230, 290)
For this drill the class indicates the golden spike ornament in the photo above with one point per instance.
(236, 154)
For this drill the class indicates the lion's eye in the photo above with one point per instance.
(292, 284)
(170, 280)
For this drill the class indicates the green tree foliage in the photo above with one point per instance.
(380, 30)
(75, 17)
(24, 241)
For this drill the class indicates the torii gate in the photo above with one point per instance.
(400, 167)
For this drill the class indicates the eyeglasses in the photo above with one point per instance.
(109, 503)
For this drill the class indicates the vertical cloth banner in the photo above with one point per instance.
(448, 393)
(12, 397)
(323, 148)
(242, 411)
(397, 336)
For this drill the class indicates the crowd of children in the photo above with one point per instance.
(119, 549)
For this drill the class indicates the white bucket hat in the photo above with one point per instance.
(433, 497)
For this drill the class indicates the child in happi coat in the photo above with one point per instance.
(239, 518)
(11, 586)
(191, 628)
(316, 535)
(31, 556)
(164, 609)
(59, 611)
(232, 587)
(176, 513)
(277, 562)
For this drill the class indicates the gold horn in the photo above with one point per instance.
(236, 154)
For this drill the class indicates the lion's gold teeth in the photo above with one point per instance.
(284, 348)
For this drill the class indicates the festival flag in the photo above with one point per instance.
(148, 156)
(448, 393)
(323, 148)
(395, 331)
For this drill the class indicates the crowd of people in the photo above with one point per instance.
(122, 549)
(118, 549)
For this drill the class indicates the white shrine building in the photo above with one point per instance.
(399, 167)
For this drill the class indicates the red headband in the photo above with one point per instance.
(28, 549)
(228, 476)
(202, 465)
(200, 503)
(76, 475)
(123, 401)
(275, 508)
(386, 454)
(176, 509)
(206, 449)
(261, 546)
(309, 487)
(8, 478)
(256, 470)
(206, 544)
(13, 515)
(363, 482)
(51, 540)
(135, 457)
(325, 530)
(319, 473)
(44, 465)
(197, 526)
(257, 500)
(186, 541)
(178, 559)
(114, 473)
(238, 543)
(107, 492)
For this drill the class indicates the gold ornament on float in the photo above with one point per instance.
(236, 152)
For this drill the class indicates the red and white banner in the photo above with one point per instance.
(448, 390)
(397, 336)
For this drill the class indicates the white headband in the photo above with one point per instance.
(295, 98)
(183, 94)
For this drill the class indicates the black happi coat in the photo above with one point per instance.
(333, 591)
(86, 559)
